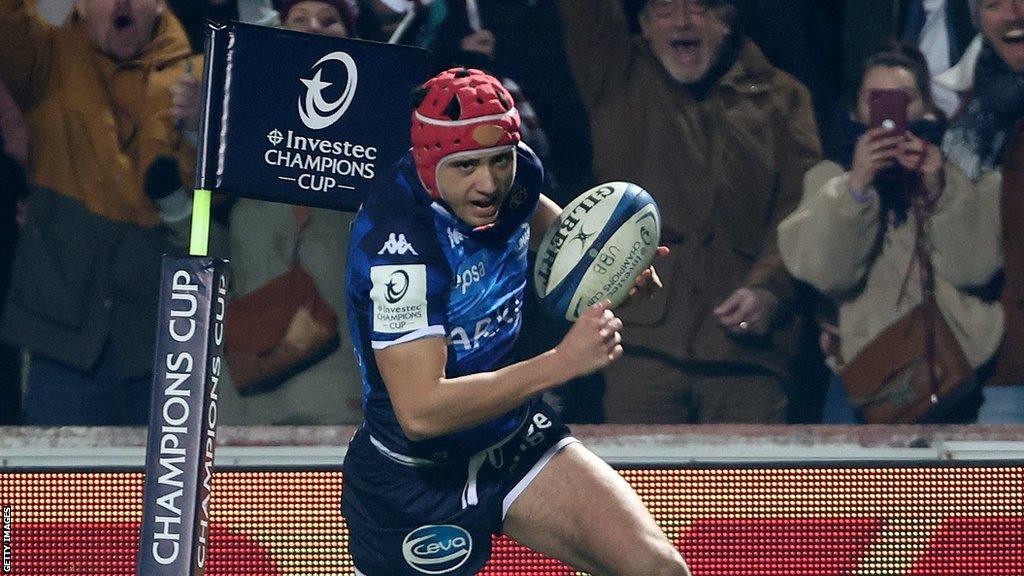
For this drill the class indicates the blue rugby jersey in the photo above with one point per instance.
(415, 271)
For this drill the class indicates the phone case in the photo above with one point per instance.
(888, 109)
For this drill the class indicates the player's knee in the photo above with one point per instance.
(676, 567)
(669, 562)
(662, 560)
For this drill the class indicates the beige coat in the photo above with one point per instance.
(841, 248)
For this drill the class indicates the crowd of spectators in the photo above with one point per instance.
(747, 121)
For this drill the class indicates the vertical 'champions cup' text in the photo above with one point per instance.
(210, 423)
(174, 417)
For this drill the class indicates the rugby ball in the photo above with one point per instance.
(596, 248)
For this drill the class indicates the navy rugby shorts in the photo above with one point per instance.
(412, 518)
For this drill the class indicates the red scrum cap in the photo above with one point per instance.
(464, 110)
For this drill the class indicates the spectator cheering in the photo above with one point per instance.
(695, 114)
(991, 75)
(83, 299)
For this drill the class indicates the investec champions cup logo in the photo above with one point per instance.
(316, 112)
(319, 162)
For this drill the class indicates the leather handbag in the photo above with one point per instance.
(892, 380)
(258, 321)
(914, 371)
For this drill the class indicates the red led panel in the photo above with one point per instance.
(932, 521)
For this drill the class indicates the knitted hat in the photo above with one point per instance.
(347, 9)
(632, 9)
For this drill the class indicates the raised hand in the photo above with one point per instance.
(874, 152)
(185, 102)
(925, 158)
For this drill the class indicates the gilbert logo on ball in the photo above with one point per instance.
(596, 248)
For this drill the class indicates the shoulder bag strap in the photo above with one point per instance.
(301, 215)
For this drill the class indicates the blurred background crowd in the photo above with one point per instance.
(800, 234)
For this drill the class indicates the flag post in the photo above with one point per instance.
(263, 134)
(200, 238)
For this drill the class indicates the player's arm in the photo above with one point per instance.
(546, 214)
(428, 404)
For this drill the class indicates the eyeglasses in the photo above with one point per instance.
(665, 8)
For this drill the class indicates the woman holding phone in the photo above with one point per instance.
(854, 235)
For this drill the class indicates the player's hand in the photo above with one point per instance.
(593, 342)
(747, 311)
(647, 283)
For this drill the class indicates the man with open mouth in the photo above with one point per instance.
(691, 110)
(96, 93)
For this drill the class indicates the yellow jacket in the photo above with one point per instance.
(95, 124)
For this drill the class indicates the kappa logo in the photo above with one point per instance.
(455, 237)
(437, 549)
(397, 245)
(316, 112)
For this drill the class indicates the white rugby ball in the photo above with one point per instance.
(596, 248)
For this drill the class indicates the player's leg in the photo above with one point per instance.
(579, 510)
(391, 506)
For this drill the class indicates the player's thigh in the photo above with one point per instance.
(579, 510)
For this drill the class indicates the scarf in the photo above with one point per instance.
(976, 139)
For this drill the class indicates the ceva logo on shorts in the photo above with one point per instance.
(437, 549)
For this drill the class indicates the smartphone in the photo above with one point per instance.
(888, 109)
